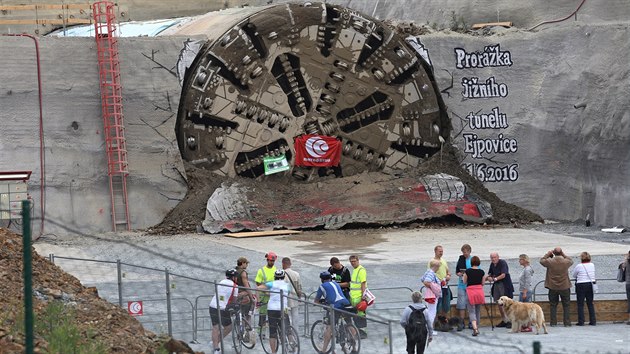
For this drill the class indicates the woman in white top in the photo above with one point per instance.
(278, 292)
(525, 279)
(525, 285)
(433, 289)
(584, 275)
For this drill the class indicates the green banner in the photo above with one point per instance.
(275, 164)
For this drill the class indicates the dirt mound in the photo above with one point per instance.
(449, 162)
(100, 320)
(190, 212)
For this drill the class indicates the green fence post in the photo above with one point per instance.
(536, 347)
(28, 276)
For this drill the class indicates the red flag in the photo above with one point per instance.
(317, 151)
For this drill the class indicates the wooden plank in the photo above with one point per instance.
(45, 7)
(68, 21)
(607, 310)
(262, 233)
(490, 24)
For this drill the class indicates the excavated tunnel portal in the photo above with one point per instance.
(292, 69)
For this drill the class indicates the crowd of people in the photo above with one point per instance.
(470, 293)
(346, 289)
(278, 289)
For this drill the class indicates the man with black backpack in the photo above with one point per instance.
(415, 321)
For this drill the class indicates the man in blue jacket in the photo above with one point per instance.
(330, 292)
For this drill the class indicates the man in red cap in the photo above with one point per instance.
(263, 276)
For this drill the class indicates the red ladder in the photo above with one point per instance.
(111, 100)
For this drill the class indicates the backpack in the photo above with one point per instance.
(417, 326)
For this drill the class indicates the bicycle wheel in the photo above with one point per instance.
(248, 336)
(317, 337)
(264, 337)
(351, 341)
(292, 341)
(237, 334)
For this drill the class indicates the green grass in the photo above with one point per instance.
(58, 326)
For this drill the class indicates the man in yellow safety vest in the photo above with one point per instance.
(263, 276)
(358, 284)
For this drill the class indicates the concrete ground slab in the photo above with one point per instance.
(606, 338)
(410, 246)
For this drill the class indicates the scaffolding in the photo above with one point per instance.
(111, 100)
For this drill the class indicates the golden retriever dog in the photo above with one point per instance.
(523, 313)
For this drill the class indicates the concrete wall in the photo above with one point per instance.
(566, 108)
(77, 190)
(571, 161)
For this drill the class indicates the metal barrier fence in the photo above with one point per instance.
(169, 301)
(607, 290)
(177, 305)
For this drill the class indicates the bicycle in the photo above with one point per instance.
(346, 334)
(289, 337)
(242, 333)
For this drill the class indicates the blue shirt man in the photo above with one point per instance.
(331, 292)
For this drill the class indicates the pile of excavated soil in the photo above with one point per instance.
(448, 162)
(98, 319)
(190, 212)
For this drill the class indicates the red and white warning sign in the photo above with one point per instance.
(134, 308)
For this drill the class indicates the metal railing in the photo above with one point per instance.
(602, 292)
(181, 314)
(133, 283)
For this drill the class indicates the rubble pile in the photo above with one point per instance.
(99, 319)
(191, 211)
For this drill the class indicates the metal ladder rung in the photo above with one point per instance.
(111, 100)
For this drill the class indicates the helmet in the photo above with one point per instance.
(271, 256)
(230, 273)
(362, 306)
(325, 275)
(279, 274)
